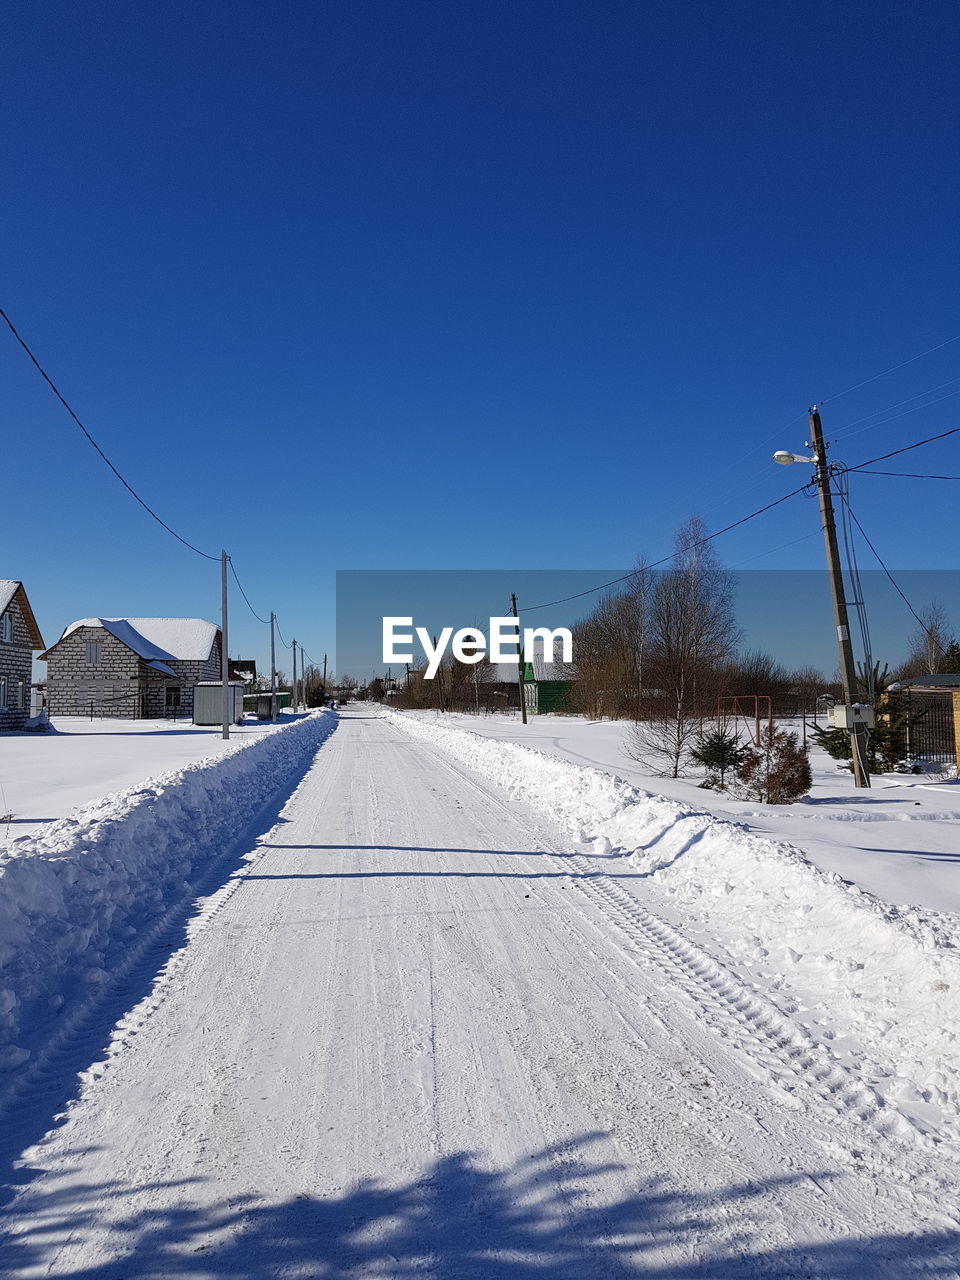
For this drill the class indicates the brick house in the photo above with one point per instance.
(132, 668)
(19, 636)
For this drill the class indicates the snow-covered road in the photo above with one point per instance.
(421, 1033)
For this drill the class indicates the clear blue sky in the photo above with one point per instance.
(420, 285)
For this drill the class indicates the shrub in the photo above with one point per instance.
(778, 771)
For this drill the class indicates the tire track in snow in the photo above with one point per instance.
(790, 1062)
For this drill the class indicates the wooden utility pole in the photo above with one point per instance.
(324, 675)
(523, 701)
(273, 668)
(293, 683)
(848, 672)
(439, 681)
(224, 658)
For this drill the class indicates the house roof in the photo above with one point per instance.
(542, 670)
(918, 683)
(156, 639)
(10, 589)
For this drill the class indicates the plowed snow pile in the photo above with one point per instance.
(882, 982)
(72, 899)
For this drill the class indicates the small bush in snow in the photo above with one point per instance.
(778, 771)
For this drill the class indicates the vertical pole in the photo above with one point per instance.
(273, 667)
(848, 673)
(293, 682)
(224, 651)
(523, 701)
(439, 681)
(324, 675)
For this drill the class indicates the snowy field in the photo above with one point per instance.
(899, 840)
(44, 776)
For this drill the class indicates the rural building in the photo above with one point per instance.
(19, 636)
(133, 668)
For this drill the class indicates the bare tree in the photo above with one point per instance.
(929, 643)
(691, 632)
(609, 646)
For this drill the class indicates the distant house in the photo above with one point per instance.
(244, 669)
(19, 636)
(134, 668)
(546, 685)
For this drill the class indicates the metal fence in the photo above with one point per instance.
(931, 734)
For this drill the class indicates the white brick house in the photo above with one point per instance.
(19, 636)
(133, 668)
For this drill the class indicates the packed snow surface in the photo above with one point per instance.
(420, 1029)
(882, 981)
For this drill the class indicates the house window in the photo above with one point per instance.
(3, 693)
(173, 697)
(93, 652)
(6, 627)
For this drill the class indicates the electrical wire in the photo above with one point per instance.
(129, 487)
(906, 449)
(845, 435)
(845, 430)
(893, 369)
(853, 572)
(280, 633)
(673, 555)
(893, 582)
(906, 475)
(265, 621)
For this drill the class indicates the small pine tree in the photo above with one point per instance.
(777, 772)
(717, 752)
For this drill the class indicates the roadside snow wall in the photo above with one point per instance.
(884, 981)
(73, 897)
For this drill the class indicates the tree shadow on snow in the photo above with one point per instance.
(459, 1220)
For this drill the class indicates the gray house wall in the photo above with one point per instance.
(121, 684)
(16, 663)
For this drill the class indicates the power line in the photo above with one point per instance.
(906, 449)
(896, 586)
(893, 368)
(265, 621)
(280, 633)
(845, 430)
(673, 555)
(129, 487)
(906, 475)
(846, 435)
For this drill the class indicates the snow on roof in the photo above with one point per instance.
(8, 589)
(163, 638)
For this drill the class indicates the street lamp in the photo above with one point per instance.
(784, 458)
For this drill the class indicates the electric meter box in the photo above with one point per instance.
(843, 717)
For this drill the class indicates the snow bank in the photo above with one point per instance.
(889, 976)
(71, 898)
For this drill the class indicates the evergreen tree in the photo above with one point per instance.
(717, 752)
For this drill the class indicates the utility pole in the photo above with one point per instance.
(439, 681)
(324, 675)
(523, 702)
(224, 659)
(273, 668)
(293, 682)
(848, 674)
